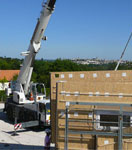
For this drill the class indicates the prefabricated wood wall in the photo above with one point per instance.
(92, 86)
(111, 143)
(77, 141)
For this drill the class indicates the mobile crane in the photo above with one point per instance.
(29, 102)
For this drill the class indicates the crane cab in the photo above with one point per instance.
(38, 90)
(36, 93)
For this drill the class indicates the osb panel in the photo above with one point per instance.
(78, 142)
(76, 125)
(111, 143)
(117, 83)
(122, 75)
(77, 113)
(95, 76)
(127, 144)
(94, 92)
(107, 143)
(127, 130)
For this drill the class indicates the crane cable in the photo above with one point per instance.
(123, 52)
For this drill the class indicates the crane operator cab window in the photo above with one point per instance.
(38, 89)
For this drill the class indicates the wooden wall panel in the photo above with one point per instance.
(92, 86)
(111, 143)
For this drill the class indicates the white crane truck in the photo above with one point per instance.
(28, 103)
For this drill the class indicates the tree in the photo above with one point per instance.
(14, 77)
(3, 81)
(2, 93)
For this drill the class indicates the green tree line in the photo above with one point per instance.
(42, 68)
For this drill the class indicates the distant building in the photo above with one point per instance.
(95, 61)
(8, 75)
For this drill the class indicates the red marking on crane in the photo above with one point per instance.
(31, 97)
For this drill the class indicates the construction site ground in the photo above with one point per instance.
(25, 138)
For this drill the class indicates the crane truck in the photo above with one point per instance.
(28, 103)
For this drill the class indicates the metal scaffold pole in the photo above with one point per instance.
(118, 133)
(120, 121)
(66, 126)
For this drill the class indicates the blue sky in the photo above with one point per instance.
(78, 28)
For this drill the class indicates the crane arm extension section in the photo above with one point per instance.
(24, 76)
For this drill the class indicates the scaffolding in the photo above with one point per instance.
(118, 133)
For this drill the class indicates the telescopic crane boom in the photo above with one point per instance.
(24, 77)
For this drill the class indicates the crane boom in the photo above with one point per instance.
(25, 74)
